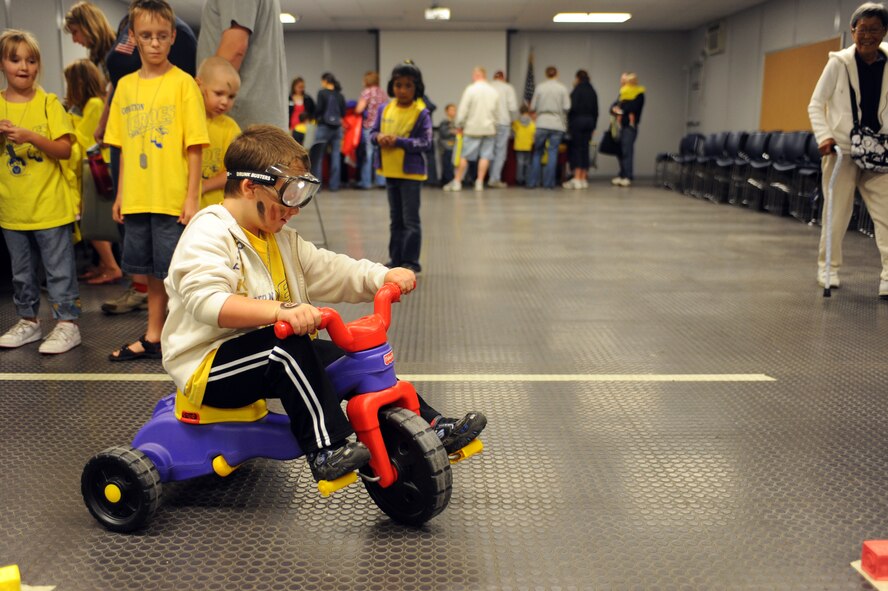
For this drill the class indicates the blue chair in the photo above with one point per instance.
(759, 148)
(783, 171)
(704, 167)
(679, 166)
(733, 156)
(805, 193)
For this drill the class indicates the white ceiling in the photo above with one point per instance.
(527, 15)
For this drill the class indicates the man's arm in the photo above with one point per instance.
(233, 45)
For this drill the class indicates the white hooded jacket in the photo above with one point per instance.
(830, 106)
(214, 260)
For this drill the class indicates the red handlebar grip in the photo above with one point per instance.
(282, 329)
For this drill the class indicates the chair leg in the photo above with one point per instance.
(321, 222)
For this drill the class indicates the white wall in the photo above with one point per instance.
(732, 81)
(345, 54)
(657, 58)
(446, 59)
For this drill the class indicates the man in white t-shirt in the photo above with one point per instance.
(476, 119)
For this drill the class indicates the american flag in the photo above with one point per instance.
(529, 84)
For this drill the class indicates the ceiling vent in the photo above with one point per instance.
(716, 38)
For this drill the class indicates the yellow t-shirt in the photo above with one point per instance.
(222, 130)
(153, 122)
(270, 253)
(35, 193)
(398, 121)
(85, 126)
(523, 135)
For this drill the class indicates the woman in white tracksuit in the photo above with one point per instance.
(862, 66)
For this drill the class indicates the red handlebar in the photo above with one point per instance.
(358, 335)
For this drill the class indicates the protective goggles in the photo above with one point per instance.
(297, 191)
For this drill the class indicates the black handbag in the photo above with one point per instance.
(869, 149)
(610, 140)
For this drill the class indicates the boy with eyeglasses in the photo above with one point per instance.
(237, 270)
(157, 119)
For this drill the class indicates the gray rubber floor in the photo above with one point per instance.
(672, 405)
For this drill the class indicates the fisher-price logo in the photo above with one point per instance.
(389, 357)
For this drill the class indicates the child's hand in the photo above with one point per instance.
(18, 135)
(403, 278)
(304, 318)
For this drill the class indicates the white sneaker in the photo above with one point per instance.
(625, 182)
(617, 181)
(22, 333)
(834, 281)
(453, 185)
(64, 337)
(571, 184)
(497, 185)
(479, 185)
(883, 290)
(584, 184)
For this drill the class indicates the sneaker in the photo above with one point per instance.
(883, 290)
(497, 185)
(617, 181)
(625, 182)
(572, 184)
(22, 333)
(128, 301)
(584, 184)
(834, 281)
(479, 185)
(64, 337)
(453, 185)
(455, 434)
(330, 464)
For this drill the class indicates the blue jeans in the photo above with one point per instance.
(627, 147)
(333, 137)
(369, 178)
(500, 149)
(56, 248)
(539, 141)
(522, 159)
(447, 171)
(406, 229)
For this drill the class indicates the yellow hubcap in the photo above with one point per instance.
(112, 493)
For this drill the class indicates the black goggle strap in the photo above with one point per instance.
(261, 178)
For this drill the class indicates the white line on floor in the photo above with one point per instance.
(157, 377)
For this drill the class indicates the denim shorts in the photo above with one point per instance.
(149, 242)
(478, 146)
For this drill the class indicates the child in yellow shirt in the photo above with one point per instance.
(158, 120)
(218, 82)
(524, 129)
(36, 207)
(85, 99)
(403, 132)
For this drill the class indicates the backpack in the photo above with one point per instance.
(332, 114)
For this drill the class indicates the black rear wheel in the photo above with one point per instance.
(424, 479)
(121, 488)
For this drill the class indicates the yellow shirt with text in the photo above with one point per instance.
(153, 122)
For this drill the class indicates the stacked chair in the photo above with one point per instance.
(703, 169)
(805, 193)
(748, 179)
(679, 166)
(784, 168)
(733, 155)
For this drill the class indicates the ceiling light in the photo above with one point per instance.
(437, 13)
(288, 19)
(591, 17)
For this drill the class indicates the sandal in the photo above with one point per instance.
(103, 278)
(152, 351)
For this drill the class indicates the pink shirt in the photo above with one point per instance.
(375, 96)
